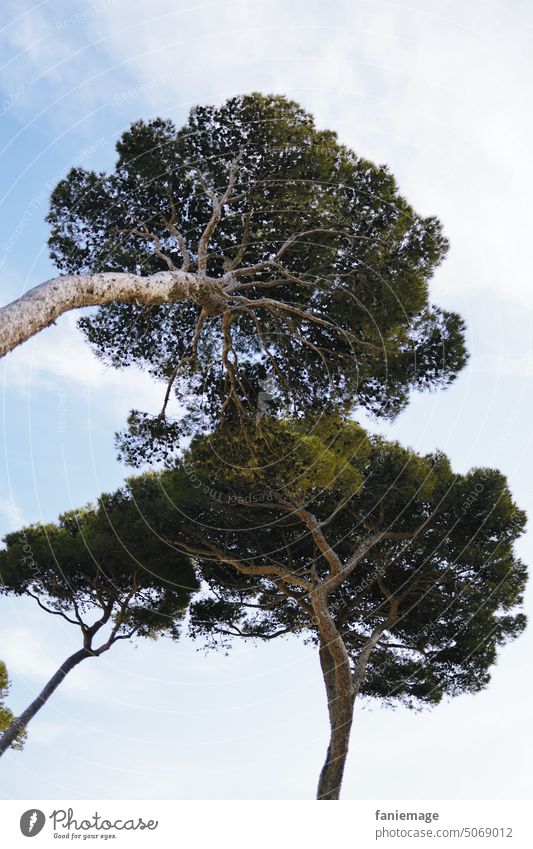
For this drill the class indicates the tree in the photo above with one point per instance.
(399, 570)
(103, 571)
(250, 251)
(246, 245)
(6, 716)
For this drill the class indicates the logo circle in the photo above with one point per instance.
(32, 822)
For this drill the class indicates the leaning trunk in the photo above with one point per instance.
(337, 675)
(340, 706)
(18, 724)
(38, 308)
(342, 688)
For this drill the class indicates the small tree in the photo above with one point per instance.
(102, 570)
(6, 716)
(400, 571)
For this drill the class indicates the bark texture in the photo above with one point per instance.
(342, 688)
(38, 308)
(337, 675)
(340, 707)
(312, 594)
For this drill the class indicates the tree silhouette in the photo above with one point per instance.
(244, 246)
(103, 571)
(399, 570)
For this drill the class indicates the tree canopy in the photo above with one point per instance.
(277, 284)
(314, 270)
(102, 571)
(439, 541)
(399, 570)
(100, 558)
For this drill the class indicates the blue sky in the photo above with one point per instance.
(439, 92)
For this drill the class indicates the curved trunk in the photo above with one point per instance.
(342, 687)
(340, 707)
(40, 307)
(10, 735)
(337, 675)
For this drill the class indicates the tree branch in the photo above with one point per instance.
(217, 204)
(251, 634)
(211, 552)
(366, 651)
(55, 612)
(40, 306)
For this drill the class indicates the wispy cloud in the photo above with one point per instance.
(504, 366)
(59, 360)
(11, 513)
(434, 89)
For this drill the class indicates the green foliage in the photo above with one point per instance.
(459, 583)
(445, 551)
(297, 456)
(342, 317)
(101, 557)
(6, 716)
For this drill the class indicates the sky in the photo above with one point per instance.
(440, 91)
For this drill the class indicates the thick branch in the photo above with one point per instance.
(315, 530)
(38, 308)
(360, 552)
(366, 651)
(211, 552)
(217, 204)
(20, 722)
(337, 675)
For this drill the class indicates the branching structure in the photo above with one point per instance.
(402, 572)
(246, 245)
(102, 571)
(249, 249)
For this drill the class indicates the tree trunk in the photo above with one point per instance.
(9, 736)
(342, 688)
(340, 706)
(39, 307)
(337, 674)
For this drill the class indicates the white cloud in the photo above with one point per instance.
(59, 361)
(24, 654)
(12, 513)
(504, 366)
(435, 90)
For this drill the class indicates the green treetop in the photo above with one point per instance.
(103, 570)
(401, 571)
(314, 270)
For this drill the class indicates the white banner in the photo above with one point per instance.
(241, 825)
